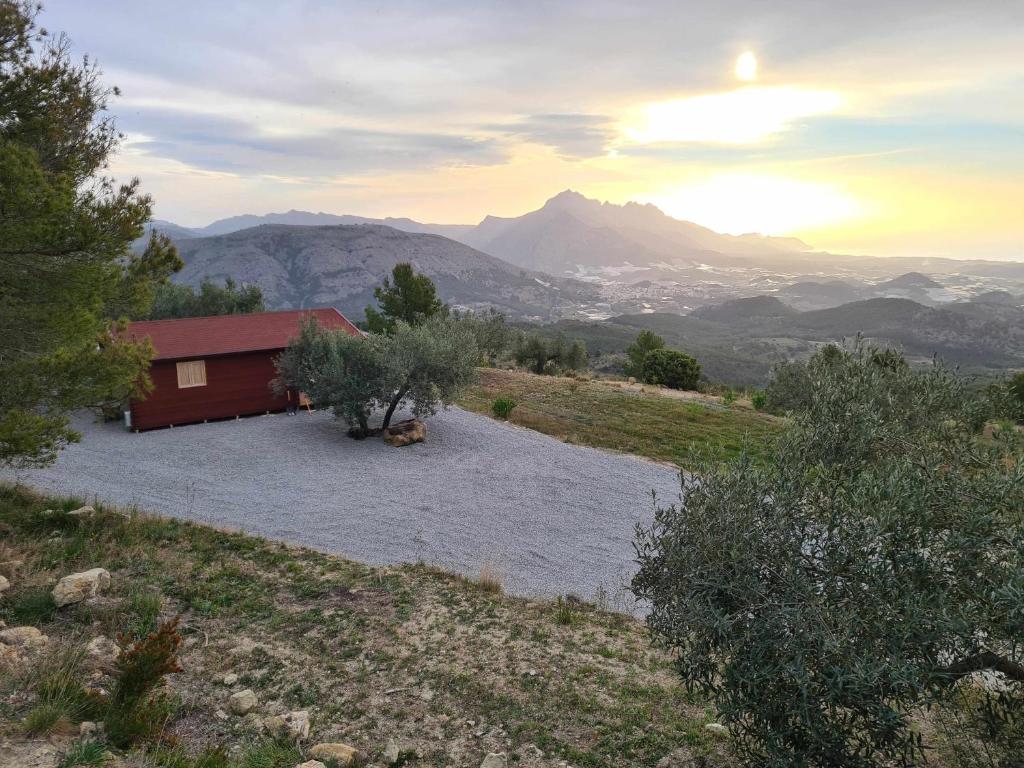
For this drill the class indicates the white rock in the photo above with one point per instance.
(243, 702)
(717, 728)
(495, 760)
(391, 752)
(25, 637)
(85, 511)
(311, 764)
(293, 725)
(342, 754)
(77, 587)
(230, 678)
(220, 714)
(90, 728)
(4, 584)
(103, 649)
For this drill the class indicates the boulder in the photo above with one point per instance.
(495, 760)
(243, 702)
(23, 637)
(342, 754)
(406, 433)
(77, 587)
(4, 583)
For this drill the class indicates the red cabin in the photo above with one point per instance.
(218, 367)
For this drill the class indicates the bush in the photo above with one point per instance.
(503, 406)
(860, 577)
(759, 400)
(729, 396)
(645, 342)
(671, 368)
(134, 711)
(550, 357)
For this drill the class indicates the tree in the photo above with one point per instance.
(66, 267)
(174, 300)
(405, 296)
(646, 341)
(671, 368)
(423, 367)
(544, 356)
(493, 335)
(863, 574)
(1016, 390)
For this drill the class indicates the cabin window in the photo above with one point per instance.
(192, 374)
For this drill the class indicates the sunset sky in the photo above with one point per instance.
(888, 127)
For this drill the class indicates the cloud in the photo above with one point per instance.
(571, 135)
(217, 143)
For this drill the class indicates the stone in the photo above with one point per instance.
(85, 511)
(495, 760)
(405, 433)
(632, 380)
(77, 587)
(243, 702)
(717, 728)
(293, 725)
(103, 650)
(391, 752)
(23, 637)
(311, 764)
(342, 754)
(230, 678)
(4, 583)
(89, 728)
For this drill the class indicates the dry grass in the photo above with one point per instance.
(675, 430)
(447, 668)
(490, 580)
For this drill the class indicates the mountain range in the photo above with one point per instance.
(339, 265)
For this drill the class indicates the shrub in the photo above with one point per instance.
(862, 575)
(671, 368)
(134, 711)
(503, 407)
(31, 605)
(550, 356)
(759, 400)
(645, 342)
(729, 396)
(84, 753)
(60, 698)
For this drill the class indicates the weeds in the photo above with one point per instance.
(490, 580)
(502, 407)
(565, 613)
(60, 696)
(85, 754)
(31, 605)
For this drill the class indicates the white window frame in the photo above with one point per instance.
(191, 373)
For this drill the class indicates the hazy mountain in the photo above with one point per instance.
(168, 228)
(300, 266)
(744, 310)
(811, 294)
(570, 232)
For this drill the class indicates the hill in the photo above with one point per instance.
(298, 266)
(743, 310)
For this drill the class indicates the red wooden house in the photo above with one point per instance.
(218, 367)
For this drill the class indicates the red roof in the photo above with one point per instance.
(229, 334)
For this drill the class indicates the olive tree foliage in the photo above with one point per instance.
(869, 571)
(494, 336)
(422, 367)
(67, 272)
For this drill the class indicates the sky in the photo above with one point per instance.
(884, 127)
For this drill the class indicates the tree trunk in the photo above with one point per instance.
(394, 404)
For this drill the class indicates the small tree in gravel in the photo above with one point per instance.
(865, 574)
(421, 366)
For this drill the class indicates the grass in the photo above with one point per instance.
(598, 414)
(451, 668)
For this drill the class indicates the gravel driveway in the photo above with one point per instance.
(550, 518)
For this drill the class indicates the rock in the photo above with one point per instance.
(23, 637)
(293, 725)
(253, 722)
(311, 764)
(243, 702)
(80, 586)
(391, 752)
(85, 511)
(632, 380)
(103, 650)
(230, 678)
(406, 433)
(220, 714)
(495, 760)
(244, 647)
(4, 584)
(342, 754)
(89, 728)
(717, 728)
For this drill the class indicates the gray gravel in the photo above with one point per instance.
(550, 518)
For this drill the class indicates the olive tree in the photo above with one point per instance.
(671, 368)
(871, 569)
(423, 367)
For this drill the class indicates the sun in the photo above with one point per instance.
(746, 66)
